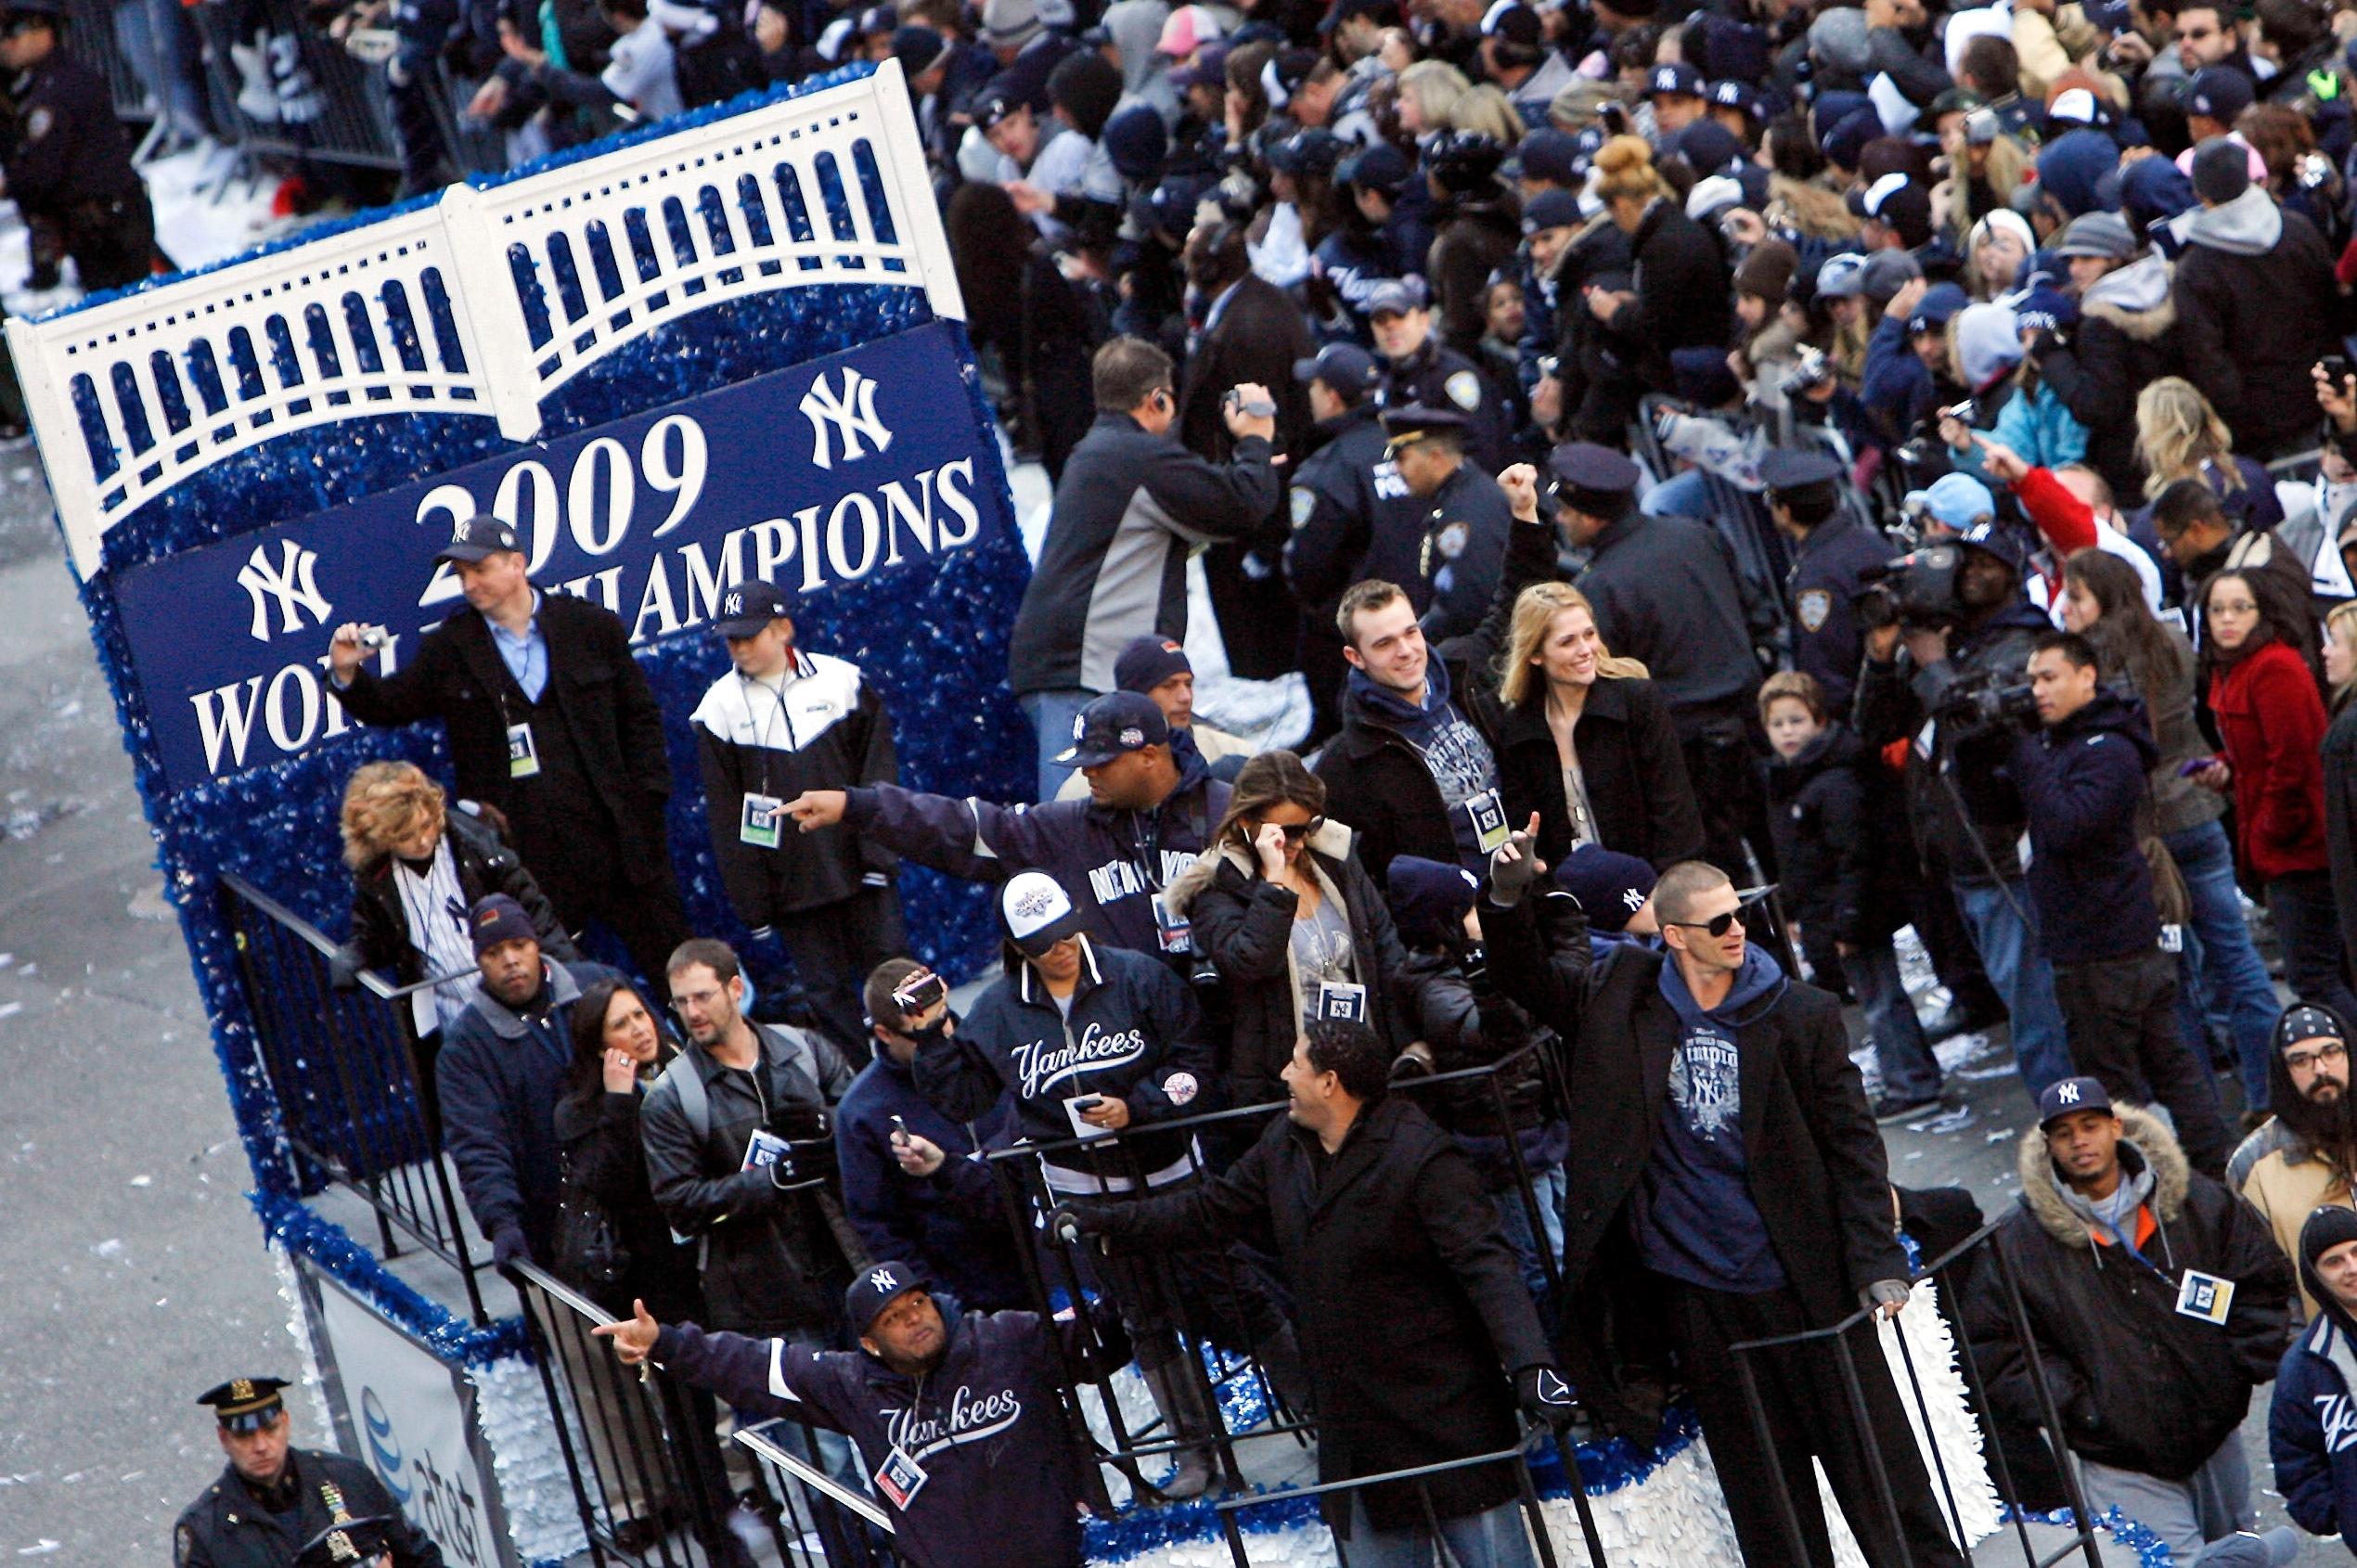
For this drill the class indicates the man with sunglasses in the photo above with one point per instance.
(1702, 1066)
(1131, 504)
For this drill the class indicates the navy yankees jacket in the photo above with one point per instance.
(985, 1425)
(1110, 862)
(1134, 1032)
(2312, 1424)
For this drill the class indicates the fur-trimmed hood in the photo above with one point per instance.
(2138, 298)
(1332, 840)
(2040, 1187)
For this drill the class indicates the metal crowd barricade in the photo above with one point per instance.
(1946, 1271)
(1054, 1272)
(643, 1454)
(1232, 1510)
(342, 1063)
(832, 1511)
(353, 125)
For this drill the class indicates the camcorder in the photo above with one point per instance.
(1810, 372)
(1983, 701)
(1920, 590)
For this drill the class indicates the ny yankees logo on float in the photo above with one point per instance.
(655, 517)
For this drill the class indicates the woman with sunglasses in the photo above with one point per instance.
(1292, 923)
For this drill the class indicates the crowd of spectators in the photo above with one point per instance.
(1739, 485)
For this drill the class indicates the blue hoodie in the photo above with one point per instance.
(2311, 1420)
(1693, 1216)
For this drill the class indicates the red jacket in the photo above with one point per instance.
(2272, 723)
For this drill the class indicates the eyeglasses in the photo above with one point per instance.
(2300, 1062)
(1297, 831)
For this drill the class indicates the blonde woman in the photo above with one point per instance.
(416, 868)
(1488, 111)
(1681, 299)
(2179, 435)
(1428, 91)
(1587, 741)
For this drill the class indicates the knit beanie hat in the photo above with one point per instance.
(1429, 899)
(1767, 272)
(1010, 24)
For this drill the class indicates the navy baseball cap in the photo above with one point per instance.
(478, 538)
(876, 1288)
(1344, 367)
(2059, 1099)
(1114, 726)
(1674, 77)
(1396, 296)
(747, 608)
(1785, 468)
(1382, 167)
(1546, 154)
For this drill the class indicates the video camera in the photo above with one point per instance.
(1982, 700)
(1920, 590)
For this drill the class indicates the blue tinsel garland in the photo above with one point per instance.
(276, 825)
(2150, 1550)
(296, 1227)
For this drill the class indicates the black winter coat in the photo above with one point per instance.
(1667, 590)
(599, 1156)
(1841, 840)
(1894, 701)
(1827, 1207)
(2250, 328)
(226, 1528)
(1681, 287)
(2137, 1385)
(380, 938)
(771, 1263)
(456, 676)
(1468, 1020)
(1630, 761)
(1244, 924)
(1258, 337)
(2114, 354)
(1411, 1309)
(1376, 781)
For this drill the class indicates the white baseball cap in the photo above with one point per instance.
(1038, 912)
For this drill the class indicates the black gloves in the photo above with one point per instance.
(1544, 1397)
(509, 1248)
(1077, 1217)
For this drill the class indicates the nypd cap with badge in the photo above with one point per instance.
(244, 1405)
(1404, 427)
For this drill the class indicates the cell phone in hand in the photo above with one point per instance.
(899, 1130)
(2199, 764)
(1089, 1103)
(918, 992)
(2337, 369)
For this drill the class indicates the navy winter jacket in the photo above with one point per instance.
(500, 1075)
(951, 1221)
(2311, 1422)
(1110, 862)
(1133, 1033)
(2082, 782)
(986, 1425)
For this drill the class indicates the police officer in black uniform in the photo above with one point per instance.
(1423, 370)
(276, 1505)
(65, 159)
(1353, 518)
(1831, 548)
(1463, 547)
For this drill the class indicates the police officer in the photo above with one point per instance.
(1421, 370)
(1353, 518)
(1831, 548)
(274, 1504)
(1467, 518)
(66, 161)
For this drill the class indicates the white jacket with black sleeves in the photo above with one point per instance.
(824, 727)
